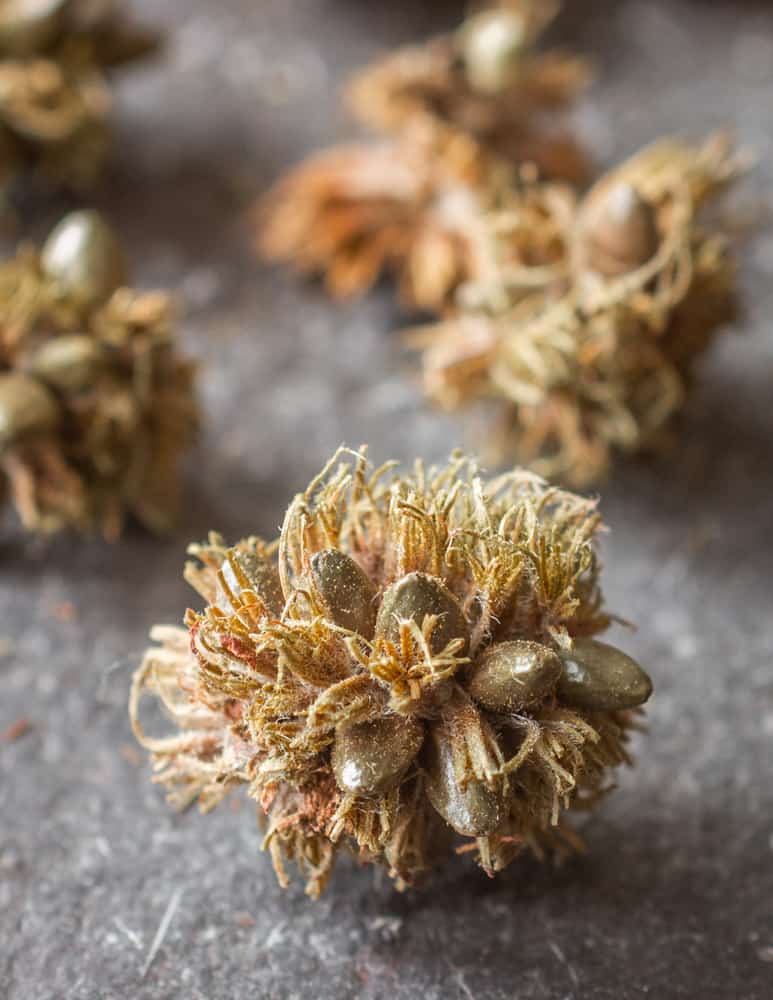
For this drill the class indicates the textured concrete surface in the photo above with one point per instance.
(675, 895)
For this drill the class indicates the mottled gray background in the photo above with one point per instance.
(675, 896)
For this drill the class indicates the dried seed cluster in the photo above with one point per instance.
(577, 315)
(461, 113)
(95, 403)
(412, 662)
(587, 326)
(54, 95)
(486, 81)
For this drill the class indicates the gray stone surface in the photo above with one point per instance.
(675, 895)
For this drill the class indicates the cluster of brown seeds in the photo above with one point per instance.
(95, 403)
(412, 662)
(461, 113)
(587, 326)
(54, 95)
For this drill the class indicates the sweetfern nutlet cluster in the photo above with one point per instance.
(55, 57)
(412, 666)
(96, 404)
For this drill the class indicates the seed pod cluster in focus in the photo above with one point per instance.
(95, 403)
(412, 662)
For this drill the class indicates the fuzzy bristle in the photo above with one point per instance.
(373, 742)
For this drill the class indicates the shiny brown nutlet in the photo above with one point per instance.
(618, 230)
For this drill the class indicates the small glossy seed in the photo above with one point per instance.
(620, 232)
(69, 363)
(261, 575)
(491, 45)
(371, 757)
(514, 675)
(473, 811)
(26, 406)
(416, 596)
(601, 678)
(345, 591)
(83, 256)
(29, 26)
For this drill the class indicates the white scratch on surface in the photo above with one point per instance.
(103, 846)
(133, 936)
(163, 927)
(460, 980)
(562, 959)
(275, 935)
(765, 954)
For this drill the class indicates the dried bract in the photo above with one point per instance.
(95, 403)
(590, 344)
(429, 674)
(54, 93)
(414, 207)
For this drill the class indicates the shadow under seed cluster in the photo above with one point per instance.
(95, 404)
(410, 667)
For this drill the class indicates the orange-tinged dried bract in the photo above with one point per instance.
(410, 668)
(414, 207)
(463, 114)
(587, 329)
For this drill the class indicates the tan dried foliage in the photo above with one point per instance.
(413, 207)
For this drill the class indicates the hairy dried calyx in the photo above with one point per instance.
(95, 403)
(410, 662)
(589, 319)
